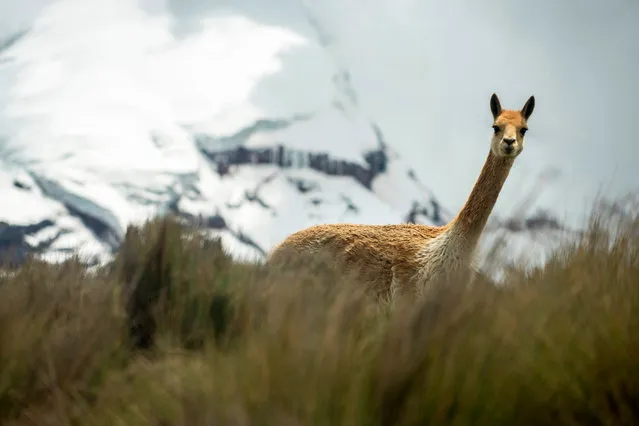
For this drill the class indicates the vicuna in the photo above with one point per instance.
(409, 256)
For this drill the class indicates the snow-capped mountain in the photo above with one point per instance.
(249, 130)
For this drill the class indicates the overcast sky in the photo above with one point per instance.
(425, 70)
(428, 74)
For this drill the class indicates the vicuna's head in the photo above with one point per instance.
(509, 127)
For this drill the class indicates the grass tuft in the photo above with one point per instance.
(175, 332)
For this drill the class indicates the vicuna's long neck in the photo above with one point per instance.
(468, 225)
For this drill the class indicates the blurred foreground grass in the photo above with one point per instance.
(176, 333)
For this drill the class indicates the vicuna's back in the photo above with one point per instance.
(375, 252)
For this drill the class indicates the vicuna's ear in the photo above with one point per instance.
(495, 106)
(528, 108)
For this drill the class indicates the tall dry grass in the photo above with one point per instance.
(176, 333)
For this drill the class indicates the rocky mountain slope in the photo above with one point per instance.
(130, 121)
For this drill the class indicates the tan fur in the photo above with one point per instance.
(407, 256)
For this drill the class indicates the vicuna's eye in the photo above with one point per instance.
(523, 131)
(496, 129)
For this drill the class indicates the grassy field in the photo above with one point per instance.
(176, 333)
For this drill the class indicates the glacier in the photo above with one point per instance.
(251, 131)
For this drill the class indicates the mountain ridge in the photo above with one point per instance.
(250, 178)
